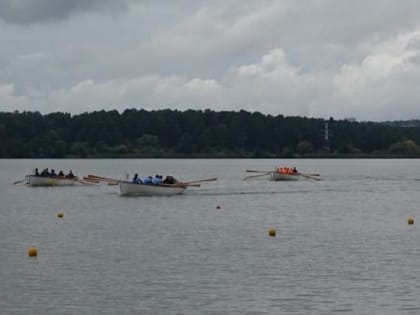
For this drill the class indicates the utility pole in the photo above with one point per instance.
(326, 137)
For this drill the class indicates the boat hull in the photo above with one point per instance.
(50, 181)
(276, 176)
(133, 189)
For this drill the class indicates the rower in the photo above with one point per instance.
(157, 180)
(148, 180)
(70, 174)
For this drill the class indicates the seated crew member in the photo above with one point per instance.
(60, 174)
(53, 174)
(148, 180)
(170, 180)
(157, 180)
(135, 178)
(70, 174)
(36, 172)
(45, 172)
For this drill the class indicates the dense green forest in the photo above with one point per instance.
(195, 133)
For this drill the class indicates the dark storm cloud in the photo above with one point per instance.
(34, 11)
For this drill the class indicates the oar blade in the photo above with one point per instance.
(310, 176)
(19, 181)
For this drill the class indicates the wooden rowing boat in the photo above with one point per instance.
(34, 180)
(135, 189)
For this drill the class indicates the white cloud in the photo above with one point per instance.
(313, 58)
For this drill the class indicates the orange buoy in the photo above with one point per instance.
(60, 214)
(272, 232)
(32, 251)
(410, 220)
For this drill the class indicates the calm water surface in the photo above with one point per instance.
(343, 243)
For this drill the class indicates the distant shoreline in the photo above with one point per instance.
(226, 156)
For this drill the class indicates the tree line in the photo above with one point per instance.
(198, 133)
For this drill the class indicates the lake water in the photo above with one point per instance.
(343, 243)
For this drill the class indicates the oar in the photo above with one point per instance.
(19, 181)
(180, 185)
(200, 181)
(193, 185)
(104, 179)
(254, 176)
(254, 171)
(309, 176)
(91, 180)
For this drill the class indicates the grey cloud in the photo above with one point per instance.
(318, 58)
(33, 11)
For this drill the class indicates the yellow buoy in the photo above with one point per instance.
(272, 232)
(410, 220)
(60, 214)
(32, 251)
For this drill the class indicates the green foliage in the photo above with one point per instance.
(407, 147)
(304, 147)
(195, 133)
(349, 149)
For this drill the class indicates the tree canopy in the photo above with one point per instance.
(197, 133)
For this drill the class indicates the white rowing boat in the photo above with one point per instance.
(282, 176)
(134, 189)
(290, 174)
(34, 180)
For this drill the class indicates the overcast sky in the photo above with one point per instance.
(316, 58)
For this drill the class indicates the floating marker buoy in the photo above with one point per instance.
(32, 251)
(410, 220)
(218, 207)
(272, 232)
(60, 214)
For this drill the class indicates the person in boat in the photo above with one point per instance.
(295, 170)
(36, 172)
(53, 174)
(45, 172)
(170, 180)
(60, 174)
(136, 179)
(148, 180)
(70, 174)
(157, 180)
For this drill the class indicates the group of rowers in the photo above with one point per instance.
(46, 173)
(157, 180)
(287, 170)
